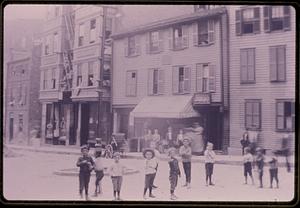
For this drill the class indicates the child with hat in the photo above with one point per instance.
(273, 171)
(117, 170)
(85, 163)
(209, 162)
(174, 172)
(248, 160)
(150, 171)
(185, 151)
(259, 160)
(98, 168)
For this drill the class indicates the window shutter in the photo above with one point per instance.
(147, 43)
(273, 65)
(256, 25)
(243, 62)
(150, 81)
(286, 18)
(211, 31)
(280, 115)
(212, 78)
(281, 63)
(137, 45)
(161, 40)
(161, 81)
(251, 65)
(170, 38)
(175, 80)
(185, 36)
(238, 22)
(199, 77)
(187, 77)
(195, 34)
(126, 47)
(267, 18)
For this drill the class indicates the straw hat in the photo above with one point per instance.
(148, 150)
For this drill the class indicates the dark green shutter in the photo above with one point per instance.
(286, 18)
(238, 22)
(256, 23)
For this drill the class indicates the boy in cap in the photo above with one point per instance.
(185, 151)
(116, 172)
(209, 162)
(98, 169)
(260, 165)
(248, 160)
(174, 172)
(150, 171)
(85, 163)
(273, 171)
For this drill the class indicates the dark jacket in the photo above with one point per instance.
(174, 167)
(83, 163)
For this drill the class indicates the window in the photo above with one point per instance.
(90, 73)
(277, 18)
(205, 78)
(55, 42)
(108, 27)
(203, 32)
(92, 30)
(180, 37)
(20, 123)
(247, 62)
(24, 95)
(181, 79)
(252, 114)
(277, 63)
(53, 79)
(247, 21)
(47, 82)
(81, 35)
(47, 45)
(155, 81)
(132, 46)
(131, 81)
(79, 75)
(285, 115)
(154, 42)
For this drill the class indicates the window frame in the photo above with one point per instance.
(268, 19)
(253, 101)
(255, 21)
(92, 34)
(185, 82)
(247, 81)
(293, 115)
(277, 48)
(81, 31)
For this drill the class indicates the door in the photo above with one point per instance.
(11, 128)
(214, 127)
(84, 133)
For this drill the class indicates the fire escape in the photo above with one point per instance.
(67, 55)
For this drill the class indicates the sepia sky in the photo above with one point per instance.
(24, 11)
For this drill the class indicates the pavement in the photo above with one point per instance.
(71, 150)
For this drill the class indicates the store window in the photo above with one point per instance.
(285, 115)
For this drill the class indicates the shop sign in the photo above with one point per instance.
(201, 99)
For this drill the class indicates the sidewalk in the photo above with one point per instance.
(220, 159)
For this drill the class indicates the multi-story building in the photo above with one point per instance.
(75, 83)
(172, 72)
(23, 111)
(262, 74)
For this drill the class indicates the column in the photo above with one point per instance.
(115, 121)
(78, 126)
(43, 127)
(68, 117)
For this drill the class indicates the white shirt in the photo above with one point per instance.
(117, 169)
(248, 158)
(209, 156)
(151, 166)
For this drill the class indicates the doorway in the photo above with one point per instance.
(84, 133)
(214, 127)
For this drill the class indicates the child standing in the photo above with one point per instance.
(98, 169)
(209, 162)
(156, 157)
(260, 165)
(85, 163)
(116, 173)
(273, 171)
(150, 171)
(185, 151)
(174, 172)
(248, 160)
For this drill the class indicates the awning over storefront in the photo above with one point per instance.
(165, 107)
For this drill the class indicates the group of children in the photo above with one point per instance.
(259, 160)
(117, 170)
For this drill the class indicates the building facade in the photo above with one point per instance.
(173, 72)
(23, 111)
(75, 82)
(262, 74)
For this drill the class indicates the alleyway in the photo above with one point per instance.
(30, 177)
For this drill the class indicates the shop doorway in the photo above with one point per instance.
(213, 128)
(84, 133)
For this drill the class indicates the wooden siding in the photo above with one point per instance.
(263, 89)
(165, 60)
